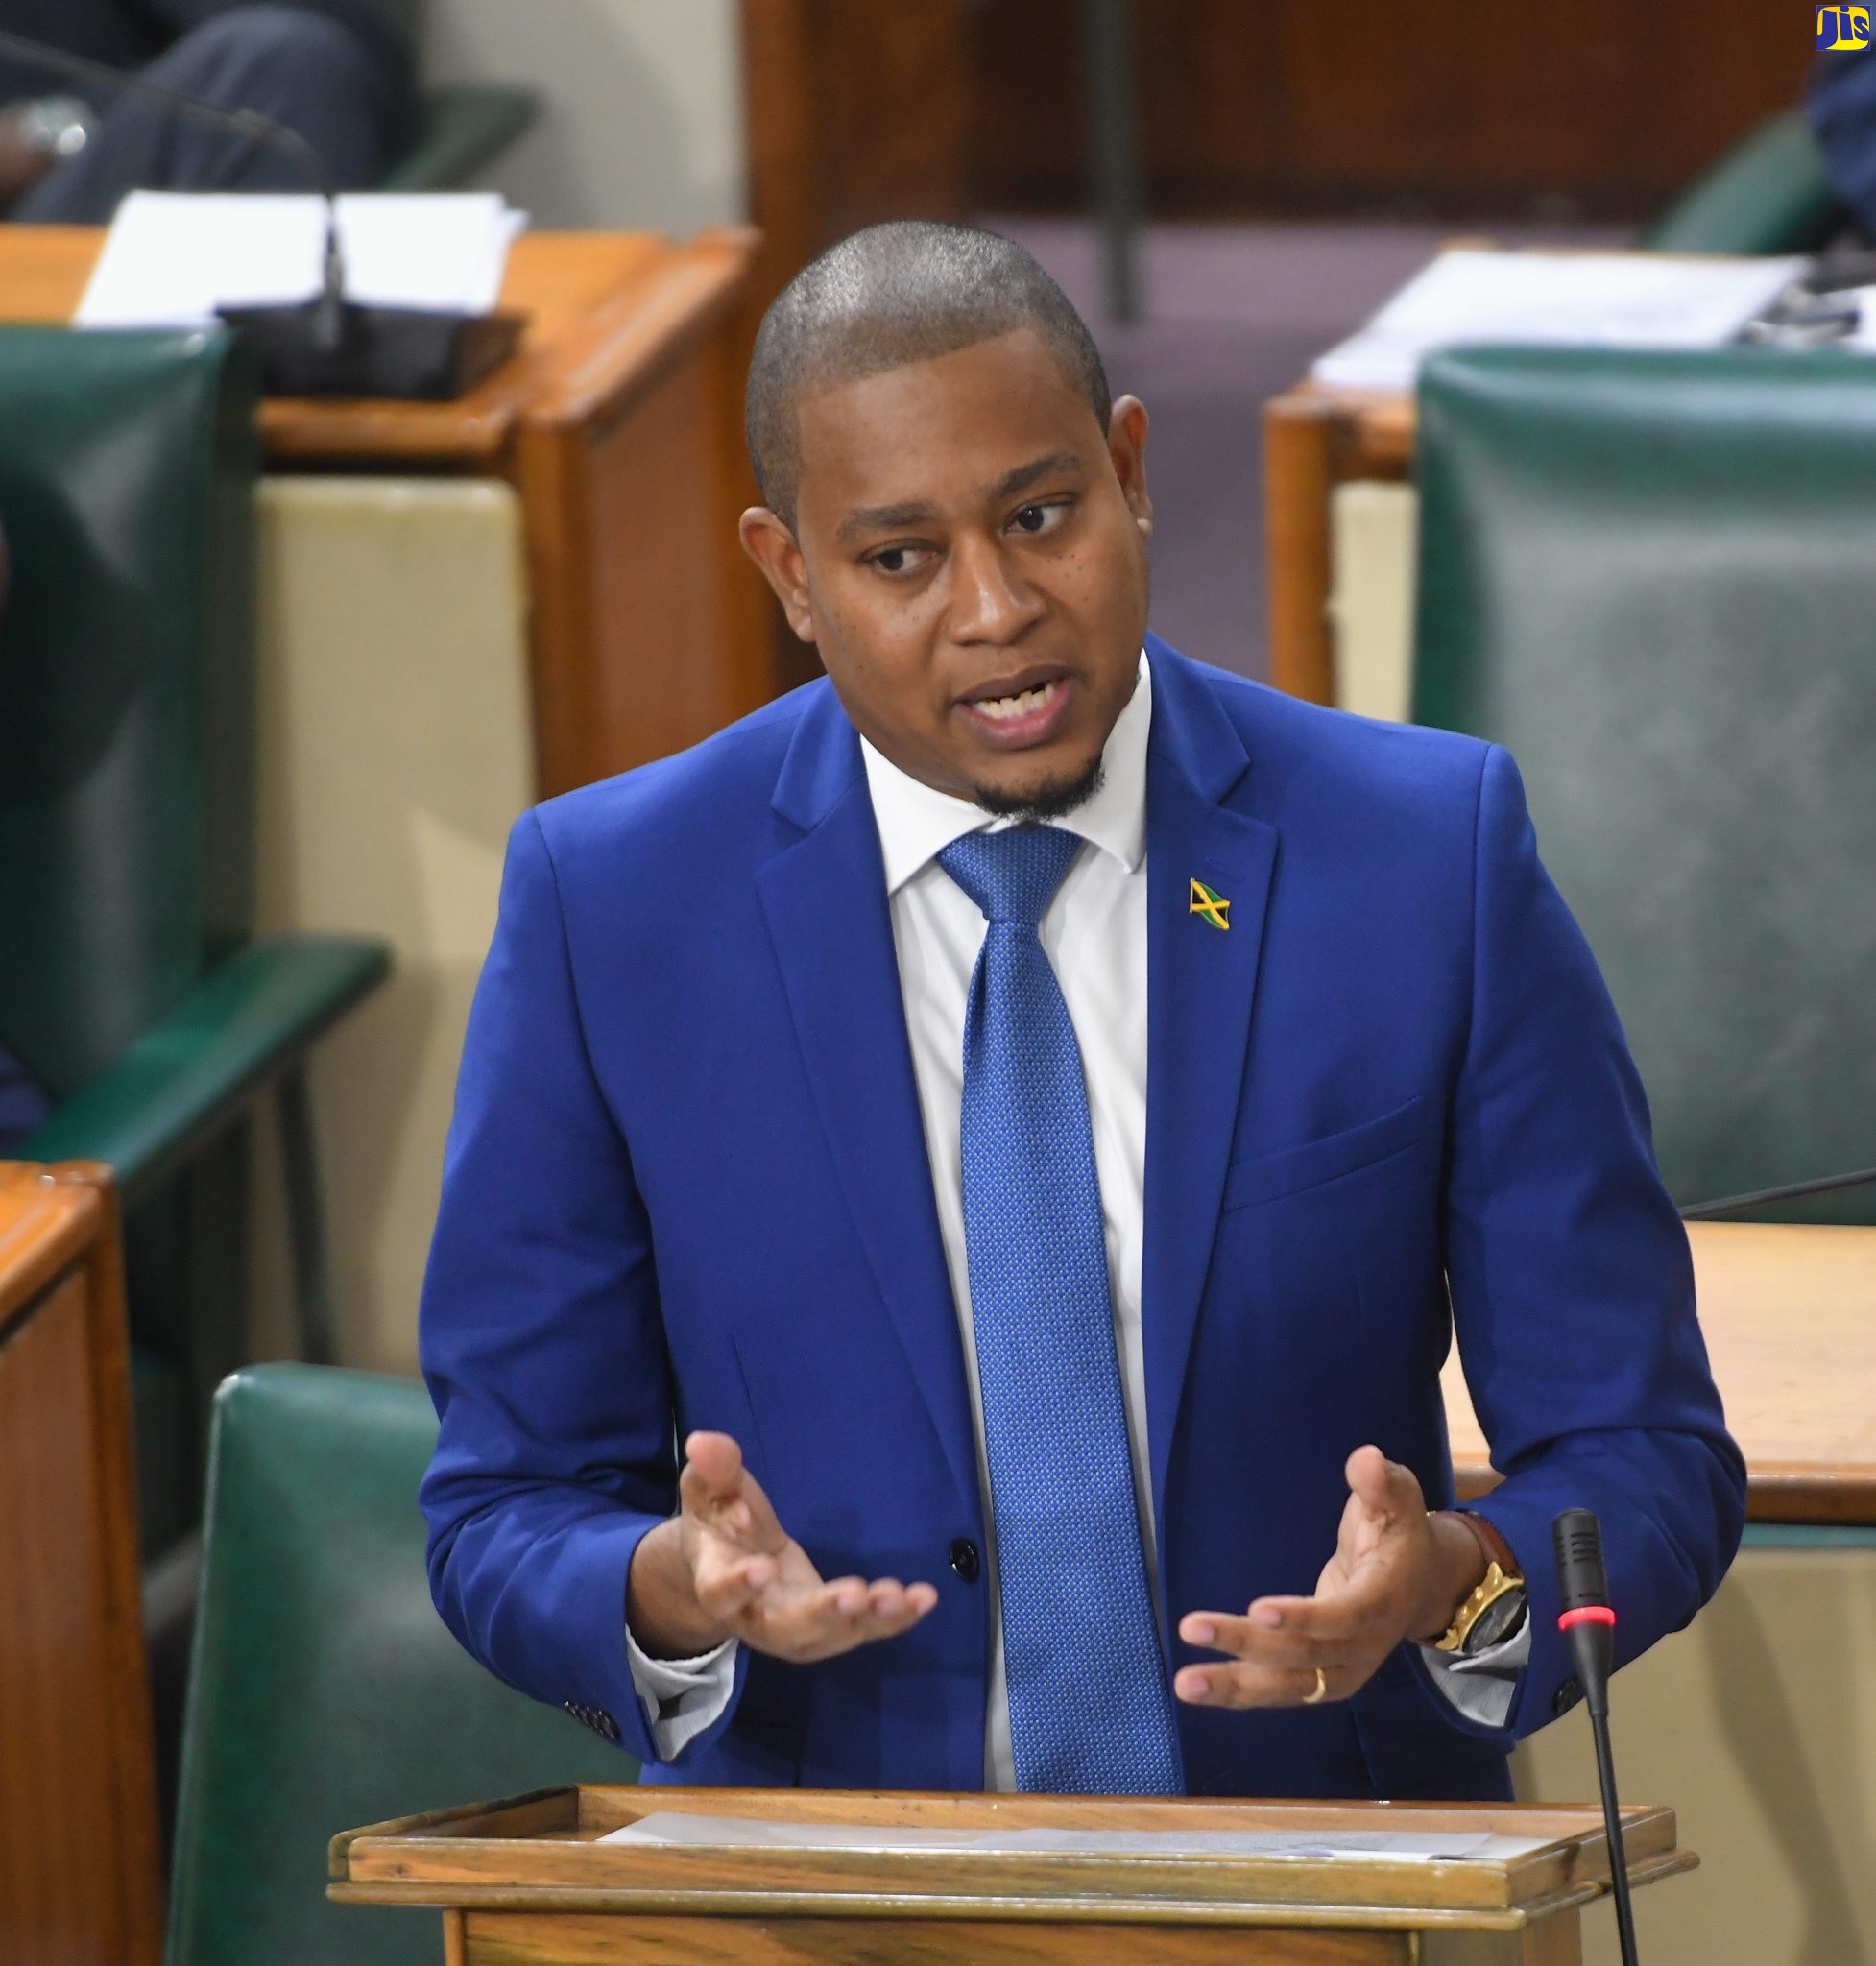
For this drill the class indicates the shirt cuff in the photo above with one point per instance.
(682, 1697)
(1483, 1688)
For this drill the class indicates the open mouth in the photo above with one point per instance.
(1023, 712)
(1007, 709)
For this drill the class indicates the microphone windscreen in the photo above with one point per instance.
(1580, 1576)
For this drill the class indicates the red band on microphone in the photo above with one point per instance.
(1588, 1613)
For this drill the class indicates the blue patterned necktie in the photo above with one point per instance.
(1091, 1709)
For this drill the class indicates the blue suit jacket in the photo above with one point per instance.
(687, 1187)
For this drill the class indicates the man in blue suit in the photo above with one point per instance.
(962, 1184)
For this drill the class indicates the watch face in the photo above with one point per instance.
(1496, 1622)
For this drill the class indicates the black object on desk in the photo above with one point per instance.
(325, 345)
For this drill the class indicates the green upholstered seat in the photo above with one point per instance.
(129, 990)
(1770, 193)
(324, 1692)
(458, 131)
(1653, 578)
(459, 127)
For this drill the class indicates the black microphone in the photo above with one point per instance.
(1589, 1625)
(1792, 1191)
(327, 346)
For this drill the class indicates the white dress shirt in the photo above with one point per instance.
(1095, 933)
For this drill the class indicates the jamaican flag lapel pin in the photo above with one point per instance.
(1210, 905)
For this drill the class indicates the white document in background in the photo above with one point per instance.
(172, 257)
(673, 1828)
(1563, 300)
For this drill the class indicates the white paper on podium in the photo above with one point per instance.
(1559, 300)
(671, 1829)
(172, 257)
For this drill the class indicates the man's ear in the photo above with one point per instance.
(1126, 449)
(770, 543)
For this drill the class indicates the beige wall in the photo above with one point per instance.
(394, 754)
(1757, 1725)
(1373, 533)
(644, 124)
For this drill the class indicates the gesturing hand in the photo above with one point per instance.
(724, 1566)
(1397, 1572)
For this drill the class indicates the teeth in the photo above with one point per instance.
(1003, 709)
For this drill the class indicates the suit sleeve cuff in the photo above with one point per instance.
(682, 1697)
(1483, 1688)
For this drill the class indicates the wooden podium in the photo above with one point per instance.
(529, 1883)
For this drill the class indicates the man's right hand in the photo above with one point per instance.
(725, 1567)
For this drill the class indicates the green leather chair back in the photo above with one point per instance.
(1652, 577)
(1770, 193)
(128, 464)
(127, 473)
(324, 1692)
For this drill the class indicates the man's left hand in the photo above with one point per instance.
(1397, 1573)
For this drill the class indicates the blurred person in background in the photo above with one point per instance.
(337, 72)
(1841, 101)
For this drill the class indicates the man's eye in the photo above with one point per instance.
(1038, 519)
(899, 558)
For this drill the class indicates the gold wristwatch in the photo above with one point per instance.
(1490, 1613)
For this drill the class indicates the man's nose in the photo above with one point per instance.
(990, 602)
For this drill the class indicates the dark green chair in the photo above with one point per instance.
(1769, 194)
(459, 127)
(324, 1692)
(130, 991)
(1653, 578)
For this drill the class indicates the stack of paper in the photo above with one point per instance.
(172, 257)
(668, 1829)
(1564, 299)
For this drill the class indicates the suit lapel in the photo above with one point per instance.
(1200, 983)
(824, 899)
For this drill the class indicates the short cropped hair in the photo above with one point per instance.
(892, 294)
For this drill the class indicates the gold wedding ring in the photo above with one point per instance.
(1322, 1690)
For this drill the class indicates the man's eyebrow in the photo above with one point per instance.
(869, 518)
(1025, 475)
(873, 518)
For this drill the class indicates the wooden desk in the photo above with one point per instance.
(1315, 439)
(528, 1882)
(79, 1868)
(1790, 1317)
(619, 426)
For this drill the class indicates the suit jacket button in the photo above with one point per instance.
(965, 1560)
(1567, 1696)
(605, 1724)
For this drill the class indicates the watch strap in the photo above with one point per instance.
(1492, 1546)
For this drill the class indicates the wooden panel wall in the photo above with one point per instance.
(79, 1869)
(858, 112)
(1453, 107)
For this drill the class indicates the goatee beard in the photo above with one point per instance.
(1046, 801)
